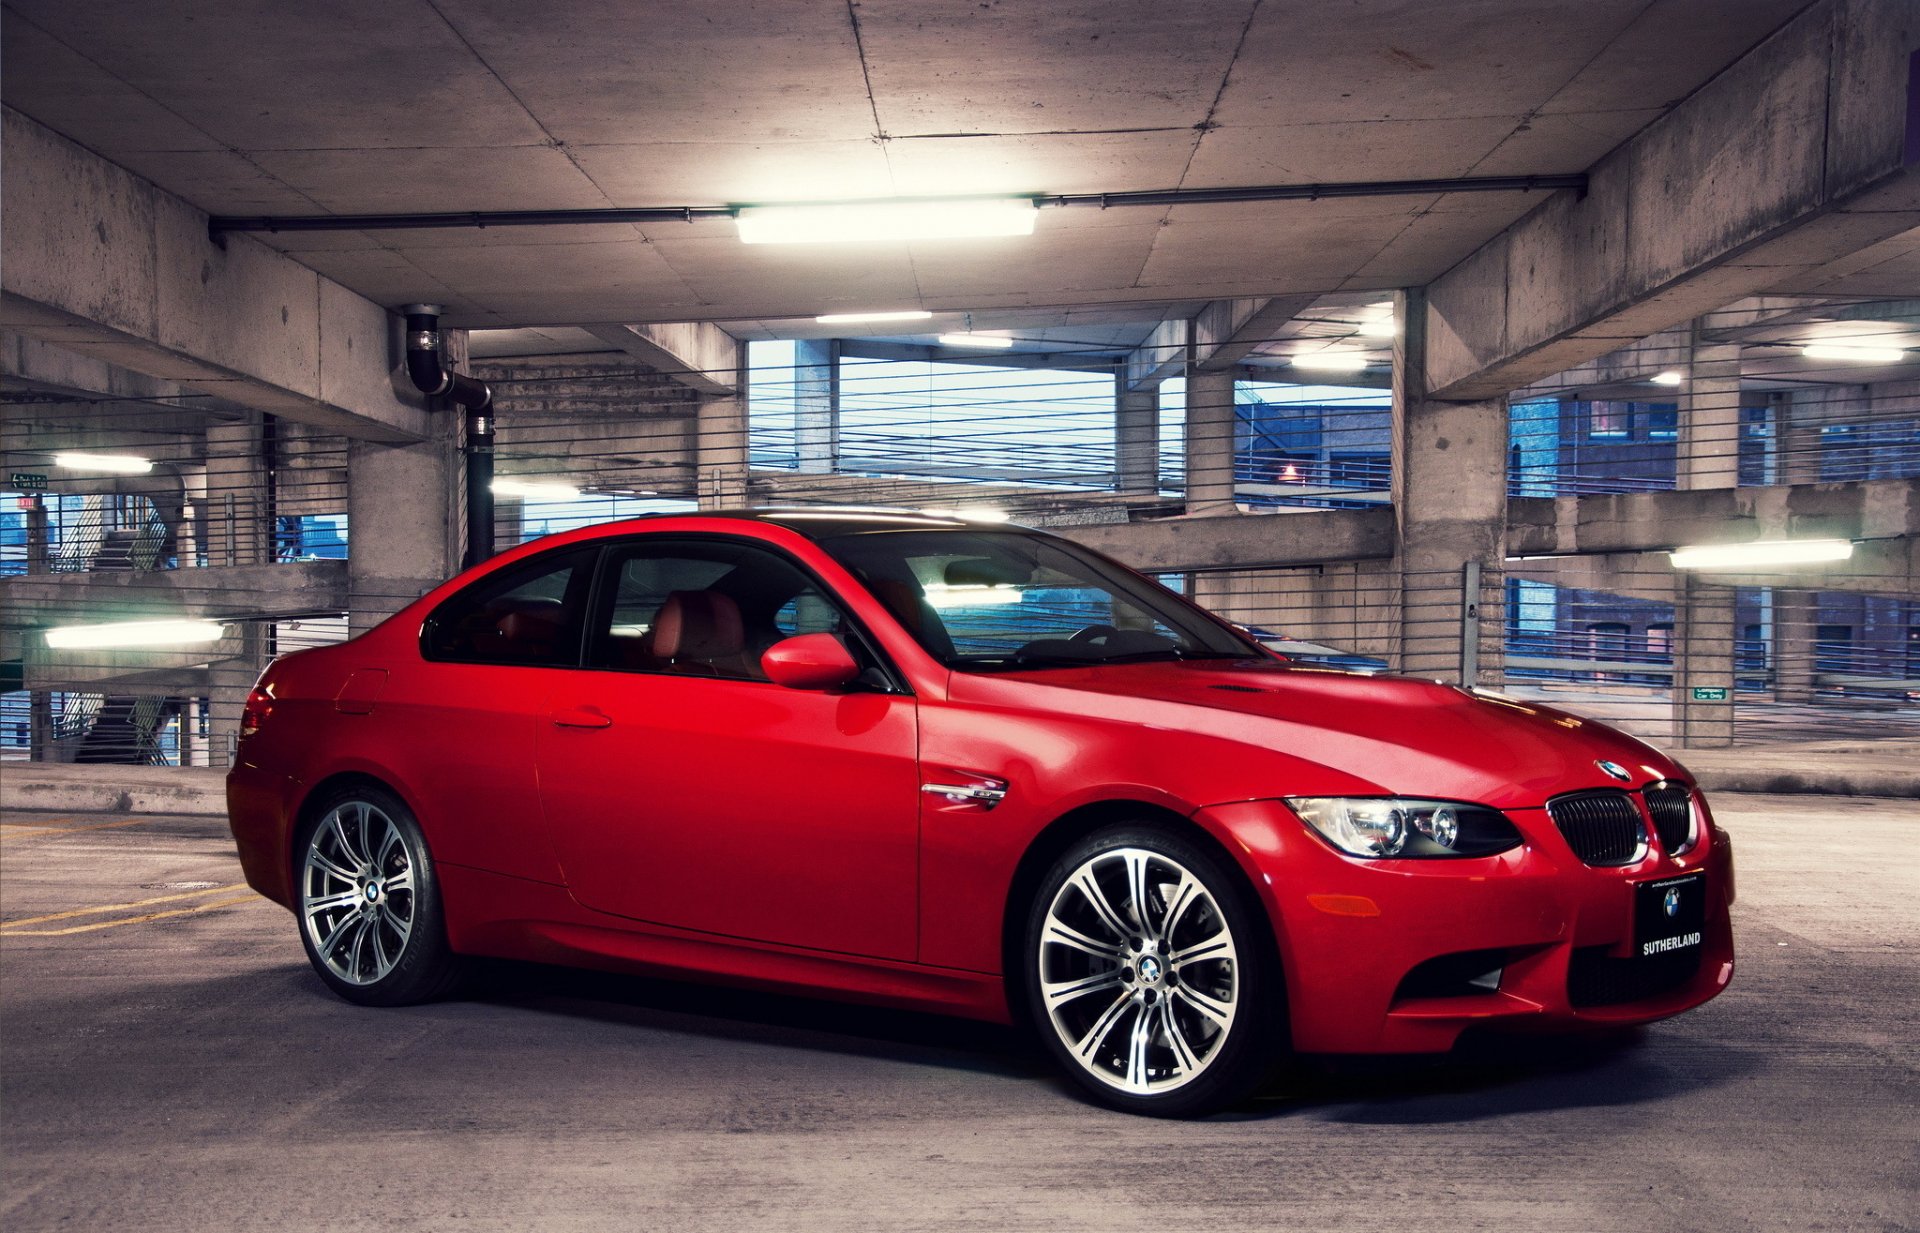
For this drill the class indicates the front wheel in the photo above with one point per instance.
(1150, 976)
(370, 914)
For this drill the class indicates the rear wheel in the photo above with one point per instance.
(370, 913)
(1149, 974)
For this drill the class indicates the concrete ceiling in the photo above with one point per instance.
(407, 105)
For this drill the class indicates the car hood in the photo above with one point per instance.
(1401, 735)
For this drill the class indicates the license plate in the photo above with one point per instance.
(1669, 914)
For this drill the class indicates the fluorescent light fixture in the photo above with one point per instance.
(1332, 359)
(862, 221)
(1669, 377)
(533, 490)
(1778, 552)
(905, 314)
(971, 513)
(992, 342)
(971, 595)
(135, 633)
(120, 464)
(1854, 354)
(1380, 327)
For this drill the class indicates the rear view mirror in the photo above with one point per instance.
(810, 661)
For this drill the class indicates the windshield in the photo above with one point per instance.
(1000, 600)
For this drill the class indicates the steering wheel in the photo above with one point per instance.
(1093, 635)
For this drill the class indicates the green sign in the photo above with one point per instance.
(27, 481)
(1709, 693)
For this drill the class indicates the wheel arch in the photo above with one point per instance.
(1068, 829)
(319, 794)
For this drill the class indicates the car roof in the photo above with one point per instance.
(828, 522)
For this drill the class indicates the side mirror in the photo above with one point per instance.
(810, 661)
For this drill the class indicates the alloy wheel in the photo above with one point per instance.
(357, 895)
(1138, 971)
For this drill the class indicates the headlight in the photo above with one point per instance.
(1408, 829)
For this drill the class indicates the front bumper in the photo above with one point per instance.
(1351, 932)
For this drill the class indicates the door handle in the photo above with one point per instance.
(580, 717)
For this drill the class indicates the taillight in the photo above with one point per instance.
(259, 706)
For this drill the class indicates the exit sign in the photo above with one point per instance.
(27, 481)
(1709, 693)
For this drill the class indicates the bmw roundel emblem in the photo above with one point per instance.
(1672, 901)
(1615, 770)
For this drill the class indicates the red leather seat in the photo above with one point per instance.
(701, 630)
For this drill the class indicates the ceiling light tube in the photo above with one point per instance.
(906, 314)
(1857, 355)
(1778, 552)
(534, 490)
(135, 633)
(993, 342)
(866, 221)
(1380, 327)
(1669, 377)
(119, 464)
(1332, 359)
(972, 513)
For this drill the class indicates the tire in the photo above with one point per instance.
(368, 902)
(1187, 1024)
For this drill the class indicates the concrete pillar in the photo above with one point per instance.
(235, 519)
(230, 681)
(1210, 431)
(1136, 437)
(1799, 415)
(1708, 453)
(720, 451)
(816, 404)
(404, 520)
(1796, 627)
(40, 726)
(1450, 510)
(1703, 641)
(39, 545)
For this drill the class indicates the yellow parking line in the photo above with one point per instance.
(122, 907)
(8, 931)
(68, 830)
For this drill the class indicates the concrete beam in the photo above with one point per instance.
(1162, 355)
(1791, 158)
(102, 263)
(286, 591)
(1226, 331)
(1243, 541)
(697, 354)
(1063, 361)
(1651, 521)
(1872, 510)
(1767, 315)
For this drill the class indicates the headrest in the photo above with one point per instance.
(527, 628)
(698, 625)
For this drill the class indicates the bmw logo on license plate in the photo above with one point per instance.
(1671, 901)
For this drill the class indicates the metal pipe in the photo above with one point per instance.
(220, 224)
(431, 376)
(479, 451)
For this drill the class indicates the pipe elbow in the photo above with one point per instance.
(425, 368)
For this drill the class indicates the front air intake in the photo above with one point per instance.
(1602, 828)
(1670, 806)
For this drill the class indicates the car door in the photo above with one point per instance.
(462, 721)
(683, 788)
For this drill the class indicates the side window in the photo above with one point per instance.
(529, 615)
(702, 608)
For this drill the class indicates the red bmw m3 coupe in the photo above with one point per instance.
(972, 769)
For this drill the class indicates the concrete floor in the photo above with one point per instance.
(175, 1066)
